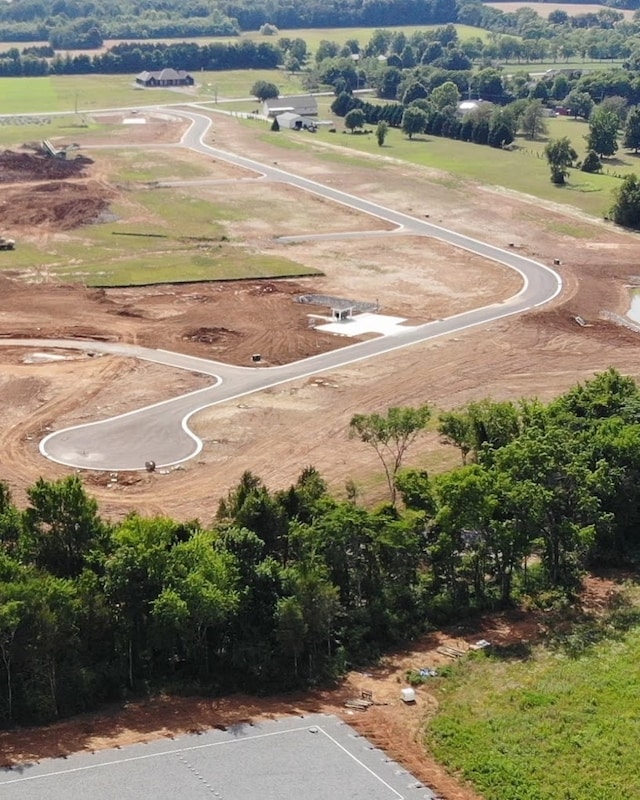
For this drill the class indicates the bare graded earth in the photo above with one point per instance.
(279, 432)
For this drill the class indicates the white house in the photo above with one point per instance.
(305, 105)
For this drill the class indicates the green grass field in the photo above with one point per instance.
(312, 36)
(538, 67)
(82, 93)
(214, 263)
(523, 169)
(146, 166)
(16, 132)
(100, 258)
(550, 727)
(156, 236)
(238, 83)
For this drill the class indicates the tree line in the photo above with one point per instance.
(126, 58)
(288, 588)
(68, 20)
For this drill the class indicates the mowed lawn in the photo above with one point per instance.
(551, 727)
(88, 93)
(237, 83)
(81, 93)
(523, 169)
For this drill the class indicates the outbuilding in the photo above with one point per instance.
(341, 310)
(295, 122)
(305, 105)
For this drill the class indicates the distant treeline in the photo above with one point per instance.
(133, 58)
(70, 24)
(67, 22)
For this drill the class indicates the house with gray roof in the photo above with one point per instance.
(165, 77)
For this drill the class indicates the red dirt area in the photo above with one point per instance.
(58, 196)
(283, 430)
(62, 205)
(279, 432)
(21, 167)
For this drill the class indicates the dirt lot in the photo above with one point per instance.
(279, 432)
(49, 192)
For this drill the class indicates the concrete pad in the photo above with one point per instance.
(317, 757)
(362, 324)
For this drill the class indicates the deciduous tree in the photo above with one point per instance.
(603, 132)
(354, 119)
(264, 90)
(626, 207)
(532, 121)
(414, 120)
(631, 139)
(447, 94)
(560, 156)
(61, 526)
(390, 435)
(382, 129)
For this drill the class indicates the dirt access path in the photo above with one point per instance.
(390, 724)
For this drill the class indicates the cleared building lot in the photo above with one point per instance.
(316, 758)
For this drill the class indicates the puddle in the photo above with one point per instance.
(634, 309)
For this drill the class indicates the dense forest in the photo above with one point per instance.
(284, 589)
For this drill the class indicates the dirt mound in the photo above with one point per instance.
(209, 335)
(59, 205)
(21, 167)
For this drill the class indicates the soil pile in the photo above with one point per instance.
(61, 205)
(22, 167)
(59, 196)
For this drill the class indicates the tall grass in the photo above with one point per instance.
(562, 725)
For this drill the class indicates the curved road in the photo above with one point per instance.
(160, 432)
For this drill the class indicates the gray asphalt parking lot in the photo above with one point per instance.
(317, 757)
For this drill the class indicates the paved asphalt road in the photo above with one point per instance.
(160, 433)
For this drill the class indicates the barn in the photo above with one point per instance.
(305, 105)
